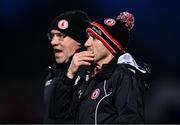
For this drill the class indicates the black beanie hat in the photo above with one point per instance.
(113, 32)
(73, 24)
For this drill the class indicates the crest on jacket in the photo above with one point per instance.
(95, 94)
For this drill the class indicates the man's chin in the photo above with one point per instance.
(60, 61)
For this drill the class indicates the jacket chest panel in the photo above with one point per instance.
(98, 100)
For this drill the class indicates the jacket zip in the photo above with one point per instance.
(106, 95)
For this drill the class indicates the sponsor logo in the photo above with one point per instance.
(97, 30)
(77, 80)
(80, 93)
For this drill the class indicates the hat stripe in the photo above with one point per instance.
(107, 40)
(108, 35)
(102, 40)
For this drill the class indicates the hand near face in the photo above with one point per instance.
(80, 59)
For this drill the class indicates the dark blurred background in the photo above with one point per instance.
(25, 52)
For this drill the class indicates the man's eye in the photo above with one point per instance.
(60, 35)
(50, 36)
(87, 35)
(94, 38)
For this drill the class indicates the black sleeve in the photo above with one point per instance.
(129, 97)
(61, 100)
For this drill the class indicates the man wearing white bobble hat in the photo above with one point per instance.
(113, 92)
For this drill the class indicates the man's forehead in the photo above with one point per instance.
(55, 31)
(90, 34)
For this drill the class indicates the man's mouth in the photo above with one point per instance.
(90, 50)
(57, 50)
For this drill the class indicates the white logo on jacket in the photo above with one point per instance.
(48, 82)
(77, 80)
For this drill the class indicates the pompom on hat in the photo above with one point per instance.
(73, 24)
(113, 32)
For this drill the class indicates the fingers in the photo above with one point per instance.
(84, 54)
(79, 59)
(81, 63)
(88, 59)
(87, 56)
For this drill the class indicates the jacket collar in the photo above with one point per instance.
(57, 69)
(107, 69)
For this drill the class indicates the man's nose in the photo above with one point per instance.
(87, 43)
(55, 40)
